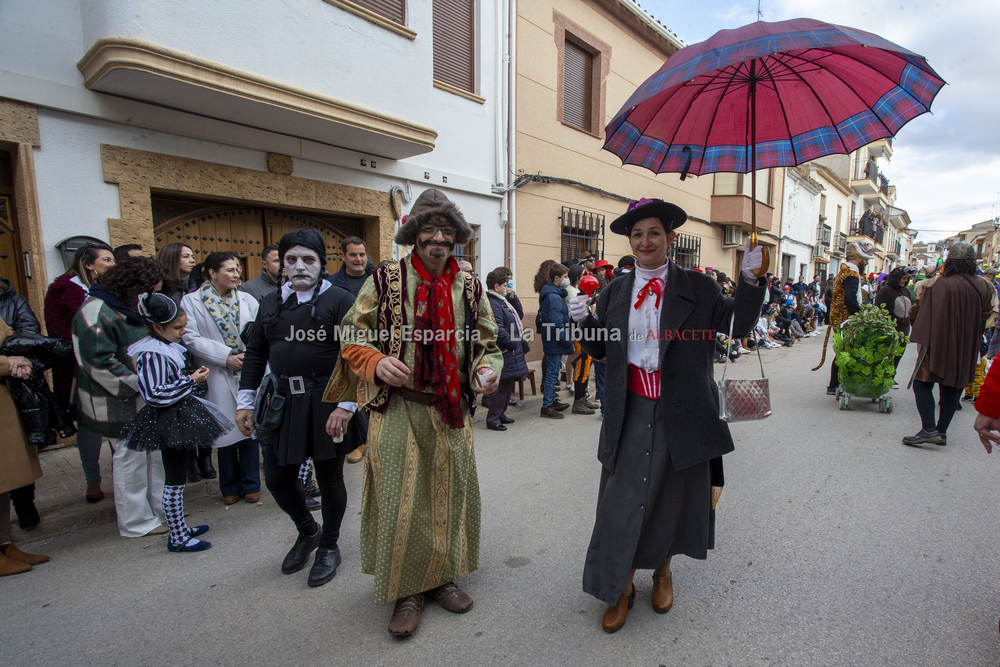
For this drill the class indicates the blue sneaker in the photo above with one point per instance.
(199, 545)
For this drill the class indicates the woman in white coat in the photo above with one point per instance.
(217, 315)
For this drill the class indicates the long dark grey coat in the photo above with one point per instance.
(694, 308)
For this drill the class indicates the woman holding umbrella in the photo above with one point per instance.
(661, 426)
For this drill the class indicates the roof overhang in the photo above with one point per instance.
(141, 71)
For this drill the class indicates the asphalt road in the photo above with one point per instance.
(836, 545)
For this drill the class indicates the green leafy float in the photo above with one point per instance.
(866, 347)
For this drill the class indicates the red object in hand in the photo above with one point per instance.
(588, 284)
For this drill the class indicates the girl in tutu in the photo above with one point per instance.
(173, 421)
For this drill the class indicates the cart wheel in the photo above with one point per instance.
(839, 392)
(888, 406)
(881, 405)
(847, 401)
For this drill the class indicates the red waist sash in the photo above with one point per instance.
(643, 382)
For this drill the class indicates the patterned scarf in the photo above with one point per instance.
(226, 313)
(436, 361)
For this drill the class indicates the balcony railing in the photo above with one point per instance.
(870, 171)
(868, 225)
(823, 233)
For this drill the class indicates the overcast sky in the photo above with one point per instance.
(946, 164)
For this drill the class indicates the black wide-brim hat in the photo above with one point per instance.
(671, 215)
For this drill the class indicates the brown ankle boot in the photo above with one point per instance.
(663, 594)
(614, 616)
(10, 566)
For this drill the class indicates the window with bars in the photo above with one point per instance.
(468, 252)
(578, 87)
(394, 10)
(686, 251)
(582, 234)
(455, 43)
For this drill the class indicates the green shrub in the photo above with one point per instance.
(866, 352)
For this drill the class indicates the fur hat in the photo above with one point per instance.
(429, 203)
(859, 250)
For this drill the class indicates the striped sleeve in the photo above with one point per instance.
(160, 382)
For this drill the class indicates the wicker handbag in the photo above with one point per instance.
(743, 400)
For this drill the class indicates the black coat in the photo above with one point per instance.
(514, 365)
(693, 309)
(16, 312)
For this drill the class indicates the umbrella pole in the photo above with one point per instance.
(766, 259)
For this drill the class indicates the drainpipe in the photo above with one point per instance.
(500, 110)
(512, 129)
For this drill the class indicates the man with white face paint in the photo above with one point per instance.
(296, 333)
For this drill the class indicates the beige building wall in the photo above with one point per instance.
(547, 146)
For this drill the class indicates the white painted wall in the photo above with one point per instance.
(309, 44)
(74, 199)
(799, 217)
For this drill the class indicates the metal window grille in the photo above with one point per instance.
(686, 251)
(582, 233)
(468, 252)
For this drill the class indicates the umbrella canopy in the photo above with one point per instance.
(819, 88)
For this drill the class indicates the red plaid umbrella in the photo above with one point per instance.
(770, 95)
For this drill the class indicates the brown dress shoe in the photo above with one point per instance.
(452, 598)
(547, 411)
(252, 497)
(614, 616)
(663, 594)
(406, 615)
(13, 553)
(9, 566)
(231, 500)
(357, 456)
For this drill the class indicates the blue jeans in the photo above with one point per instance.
(239, 468)
(89, 445)
(553, 364)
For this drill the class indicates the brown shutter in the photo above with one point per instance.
(394, 10)
(454, 43)
(578, 69)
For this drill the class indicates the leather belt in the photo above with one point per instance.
(299, 384)
(413, 396)
(643, 382)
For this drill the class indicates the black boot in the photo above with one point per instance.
(194, 470)
(205, 463)
(23, 500)
(324, 566)
(298, 556)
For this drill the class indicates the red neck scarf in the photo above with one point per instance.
(436, 360)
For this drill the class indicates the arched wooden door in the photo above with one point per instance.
(245, 230)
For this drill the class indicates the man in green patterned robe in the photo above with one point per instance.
(418, 345)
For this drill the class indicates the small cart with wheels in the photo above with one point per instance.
(866, 348)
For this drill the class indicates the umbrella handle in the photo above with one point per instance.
(765, 255)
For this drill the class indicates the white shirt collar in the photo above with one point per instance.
(76, 280)
(173, 351)
(646, 275)
(303, 295)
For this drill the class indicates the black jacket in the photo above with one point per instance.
(693, 310)
(15, 311)
(339, 279)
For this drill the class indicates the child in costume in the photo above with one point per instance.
(174, 421)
